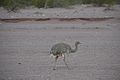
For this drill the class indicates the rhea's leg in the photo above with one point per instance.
(54, 68)
(65, 62)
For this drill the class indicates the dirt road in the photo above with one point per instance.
(24, 51)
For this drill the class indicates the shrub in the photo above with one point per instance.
(64, 3)
(98, 2)
(50, 3)
(110, 2)
(13, 5)
(10, 5)
(38, 3)
(86, 1)
(24, 2)
(102, 2)
(1, 3)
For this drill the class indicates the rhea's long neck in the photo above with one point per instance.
(75, 49)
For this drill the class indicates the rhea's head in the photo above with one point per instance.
(77, 42)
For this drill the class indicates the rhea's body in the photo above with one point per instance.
(60, 49)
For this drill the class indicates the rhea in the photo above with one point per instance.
(61, 49)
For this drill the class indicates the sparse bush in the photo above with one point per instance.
(24, 3)
(50, 3)
(64, 3)
(86, 1)
(1, 3)
(12, 5)
(98, 2)
(72, 2)
(110, 2)
(102, 2)
(38, 3)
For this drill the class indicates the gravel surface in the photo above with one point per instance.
(24, 51)
(25, 46)
(83, 11)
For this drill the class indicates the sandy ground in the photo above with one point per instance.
(78, 11)
(25, 46)
(24, 50)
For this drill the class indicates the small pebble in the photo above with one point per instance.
(43, 14)
(19, 63)
(9, 78)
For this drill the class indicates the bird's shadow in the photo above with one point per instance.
(64, 68)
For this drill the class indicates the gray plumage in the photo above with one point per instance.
(61, 49)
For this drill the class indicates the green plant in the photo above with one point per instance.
(50, 3)
(57, 3)
(64, 3)
(10, 5)
(86, 1)
(24, 2)
(102, 2)
(38, 3)
(98, 2)
(110, 2)
(13, 5)
(1, 3)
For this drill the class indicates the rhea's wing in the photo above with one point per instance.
(60, 48)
